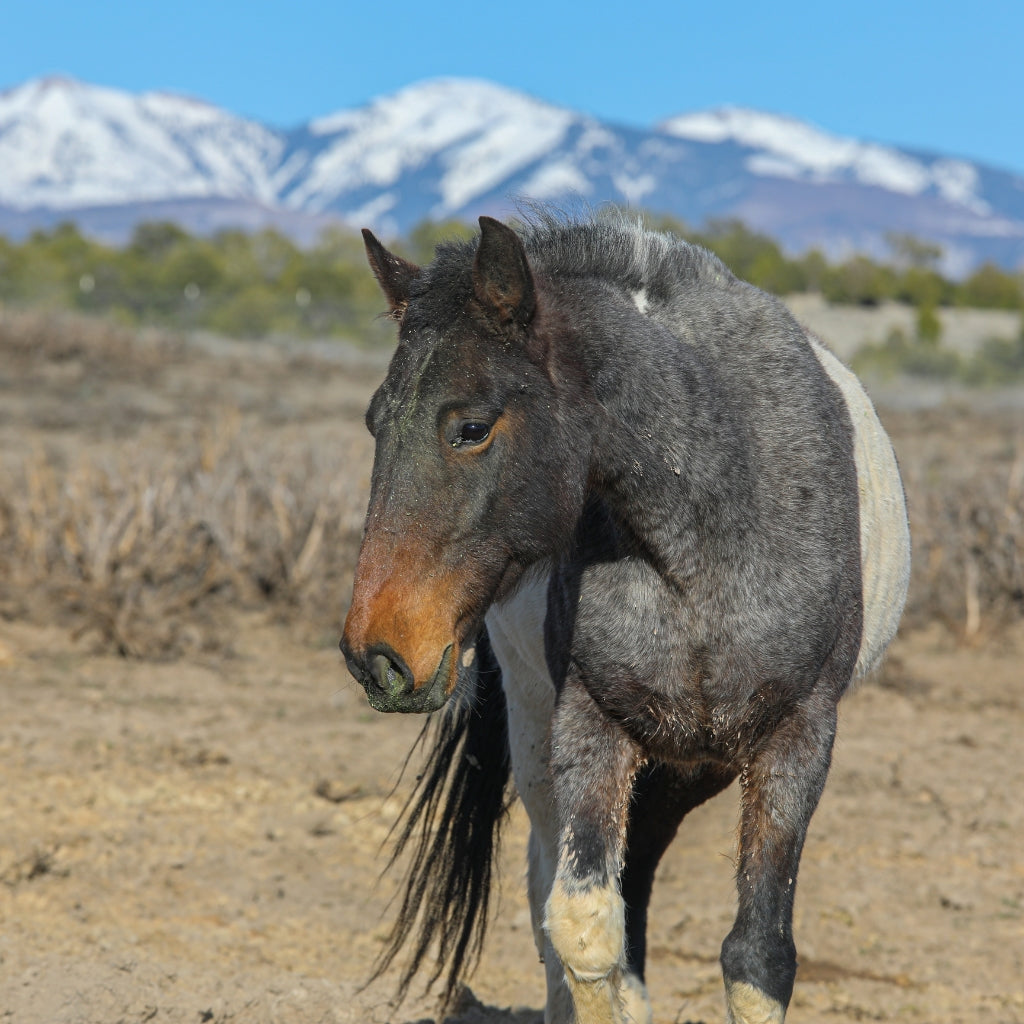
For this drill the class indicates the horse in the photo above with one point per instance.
(633, 532)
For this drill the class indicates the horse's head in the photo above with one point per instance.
(480, 464)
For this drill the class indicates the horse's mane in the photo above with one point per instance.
(610, 244)
(613, 245)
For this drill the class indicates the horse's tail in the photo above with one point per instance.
(451, 825)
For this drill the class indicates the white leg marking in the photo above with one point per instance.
(749, 1005)
(587, 929)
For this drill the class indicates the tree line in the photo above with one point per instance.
(252, 284)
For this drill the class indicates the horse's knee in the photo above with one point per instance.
(587, 929)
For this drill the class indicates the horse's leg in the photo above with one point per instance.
(530, 700)
(529, 736)
(662, 796)
(543, 853)
(593, 763)
(780, 788)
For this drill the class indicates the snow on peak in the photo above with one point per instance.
(795, 149)
(452, 104)
(64, 143)
(481, 132)
(749, 128)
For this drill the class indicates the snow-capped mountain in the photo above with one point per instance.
(481, 134)
(458, 148)
(454, 148)
(786, 148)
(64, 145)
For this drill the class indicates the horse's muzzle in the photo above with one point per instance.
(390, 685)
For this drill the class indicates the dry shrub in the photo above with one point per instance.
(147, 555)
(146, 550)
(34, 339)
(147, 558)
(967, 527)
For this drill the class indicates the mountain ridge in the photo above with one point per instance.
(452, 147)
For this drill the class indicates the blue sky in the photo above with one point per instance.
(937, 75)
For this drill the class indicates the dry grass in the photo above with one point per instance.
(137, 504)
(141, 530)
(35, 340)
(967, 526)
(147, 557)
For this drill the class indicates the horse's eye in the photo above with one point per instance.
(471, 432)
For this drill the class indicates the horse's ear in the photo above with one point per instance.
(501, 275)
(394, 274)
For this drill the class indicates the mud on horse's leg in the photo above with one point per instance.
(780, 789)
(592, 769)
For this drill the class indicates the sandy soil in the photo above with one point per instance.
(201, 840)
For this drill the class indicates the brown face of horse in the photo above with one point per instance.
(405, 638)
(477, 473)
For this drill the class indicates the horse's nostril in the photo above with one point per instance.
(383, 671)
(390, 676)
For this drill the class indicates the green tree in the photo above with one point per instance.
(911, 252)
(858, 281)
(667, 223)
(250, 313)
(153, 239)
(929, 326)
(192, 262)
(752, 256)
(813, 267)
(991, 287)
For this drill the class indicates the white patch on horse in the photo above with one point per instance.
(588, 929)
(640, 300)
(884, 530)
(749, 1005)
(516, 629)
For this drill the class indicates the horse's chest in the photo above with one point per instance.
(685, 694)
(684, 718)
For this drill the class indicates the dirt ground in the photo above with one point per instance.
(200, 840)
